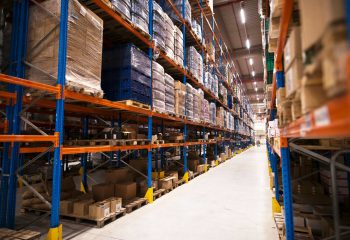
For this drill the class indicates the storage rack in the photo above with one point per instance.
(20, 95)
(328, 121)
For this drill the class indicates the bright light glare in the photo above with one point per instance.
(251, 61)
(243, 16)
(247, 43)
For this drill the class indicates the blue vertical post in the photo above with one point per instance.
(287, 189)
(185, 177)
(16, 120)
(149, 193)
(55, 226)
(83, 185)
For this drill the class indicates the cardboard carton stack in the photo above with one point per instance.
(180, 98)
(84, 46)
(158, 87)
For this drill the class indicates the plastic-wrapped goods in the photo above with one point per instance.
(195, 63)
(158, 87)
(189, 101)
(123, 7)
(169, 37)
(126, 74)
(197, 104)
(180, 98)
(178, 4)
(169, 94)
(84, 46)
(140, 14)
(212, 113)
(158, 26)
(179, 48)
(205, 111)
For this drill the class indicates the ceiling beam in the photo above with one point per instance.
(225, 3)
(255, 50)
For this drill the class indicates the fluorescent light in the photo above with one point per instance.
(251, 61)
(247, 43)
(253, 73)
(243, 16)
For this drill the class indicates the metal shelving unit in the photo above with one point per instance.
(59, 100)
(328, 121)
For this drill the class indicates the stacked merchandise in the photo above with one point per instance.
(197, 104)
(205, 115)
(169, 37)
(159, 31)
(169, 94)
(158, 87)
(197, 29)
(189, 101)
(123, 7)
(179, 47)
(84, 46)
(212, 113)
(180, 98)
(195, 63)
(140, 14)
(126, 74)
(178, 5)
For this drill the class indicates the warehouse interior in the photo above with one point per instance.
(174, 119)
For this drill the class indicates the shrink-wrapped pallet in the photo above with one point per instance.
(126, 74)
(169, 37)
(179, 49)
(169, 94)
(189, 101)
(180, 98)
(123, 7)
(158, 26)
(140, 14)
(158, 87)
(84, 46)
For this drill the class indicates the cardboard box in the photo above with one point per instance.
(115, 204)
(99, 210)
(316, 16)
(81, 208)
(66, 206)
(102, 191)
(293, 48)
(126, 190)
(166, 183)
(117, 175)
(293, 77)
(312, 94)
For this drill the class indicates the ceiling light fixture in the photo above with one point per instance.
(247, 43)
(251, 61)
(242, 16)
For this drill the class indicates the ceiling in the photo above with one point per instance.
(234, 34)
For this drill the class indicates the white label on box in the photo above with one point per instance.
(106, 212)
(322, 117)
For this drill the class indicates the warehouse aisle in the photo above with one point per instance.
(232, 201)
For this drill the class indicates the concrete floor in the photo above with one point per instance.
(231, 201)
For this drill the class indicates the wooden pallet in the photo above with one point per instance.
(135, 204)
(9, 234)
(82, 219)
(135, 104)
(158, 193)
